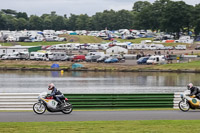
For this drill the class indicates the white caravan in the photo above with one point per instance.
(157, 59)
(57, 56)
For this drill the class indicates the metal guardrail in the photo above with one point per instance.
(25, 101)
(17, 101)
(177, 99)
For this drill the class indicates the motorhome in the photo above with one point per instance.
(33, 55)
(157, 59)
(41, 56)
(180, 47)
(19, 56)
(95, 53)
(57, 56)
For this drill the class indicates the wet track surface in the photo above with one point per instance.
(100, 116)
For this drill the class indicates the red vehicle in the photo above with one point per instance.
(78, 58)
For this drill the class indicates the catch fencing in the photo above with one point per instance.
(25, 101)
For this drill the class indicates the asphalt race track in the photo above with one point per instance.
(99, 116)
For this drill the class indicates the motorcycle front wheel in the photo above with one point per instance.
(68, 109)
(39, 108)
(184, 106)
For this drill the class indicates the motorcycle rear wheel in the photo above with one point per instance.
(184, 106)
(39, 108)
(68, 110)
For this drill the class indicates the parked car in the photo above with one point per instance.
(66, 58)
(5, 57)
(111, 60)
(92, 58)
(102, 59)
(2, 55)
(197, 48)
(142, 60)
(77, 58)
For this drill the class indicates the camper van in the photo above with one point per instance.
(57, 56)
(157, 59)
(180, 47)
(95, 53)
(38, 56)
(19, 56)
(41, 56)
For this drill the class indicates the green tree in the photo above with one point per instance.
(139, 5)
(9, 11)
(72, 22)
(47, 23)
(35, 23)
(58, 23)
(2, 21)
(124, 19)
(196, 19)
(22, 24)
(82, 22)
(22, 15)
(176, 16)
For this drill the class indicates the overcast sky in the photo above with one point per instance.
(90, 7)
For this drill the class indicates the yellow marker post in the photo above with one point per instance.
(62, 72)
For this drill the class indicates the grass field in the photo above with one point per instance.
(141, 126)
(194, 65)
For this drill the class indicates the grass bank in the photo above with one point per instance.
(141, 126)
(113, 67)
(194, 65)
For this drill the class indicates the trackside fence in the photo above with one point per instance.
(25, 101)
(120, 101)
(177, 99)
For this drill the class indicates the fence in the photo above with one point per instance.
(177, 99)
(25, 101)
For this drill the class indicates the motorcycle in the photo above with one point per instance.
(188, 102)
(48, 103)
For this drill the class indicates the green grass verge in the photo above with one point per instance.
(194, 65)
(141, 126)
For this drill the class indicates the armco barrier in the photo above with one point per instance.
(17, 101)
(177, 99)
(25, 101)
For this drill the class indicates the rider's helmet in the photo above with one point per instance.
(51, 86)
(190, 85)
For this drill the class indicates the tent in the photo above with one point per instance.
(55, 66)
(76, 65)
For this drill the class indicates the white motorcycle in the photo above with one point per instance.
(188, 102)
(48, 103)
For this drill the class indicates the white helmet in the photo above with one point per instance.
(190, 85)
(51, 86)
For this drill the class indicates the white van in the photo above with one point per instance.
(157, 59)
(33, 55)
(41, 56)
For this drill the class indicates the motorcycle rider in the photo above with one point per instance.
(193, 90)
(57, 95)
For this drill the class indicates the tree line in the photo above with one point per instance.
(162, 15)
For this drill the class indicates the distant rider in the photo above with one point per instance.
(57, 95)
(193, 90)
